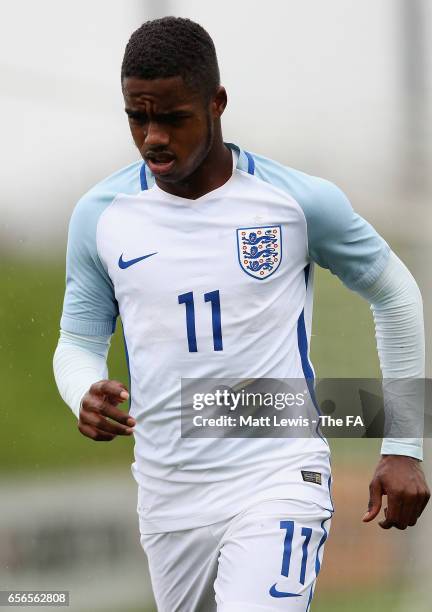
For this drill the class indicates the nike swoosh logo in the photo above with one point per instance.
(126, 264)
(275, 593)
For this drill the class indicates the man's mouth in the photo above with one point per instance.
(160, 163)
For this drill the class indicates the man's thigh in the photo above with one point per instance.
(270, 557)
(183, 567)
(265, 558)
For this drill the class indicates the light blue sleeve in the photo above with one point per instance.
(90, 307)
(338, 238)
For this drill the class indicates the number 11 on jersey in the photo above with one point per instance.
(188, 300)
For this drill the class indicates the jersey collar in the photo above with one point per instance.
(245, 163)
(244, 159)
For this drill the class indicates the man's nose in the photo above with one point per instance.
(156, 135)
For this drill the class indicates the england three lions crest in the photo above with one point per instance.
(259, 250)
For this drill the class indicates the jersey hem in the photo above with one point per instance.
(148, 527)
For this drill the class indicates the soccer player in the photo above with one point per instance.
(206, 251)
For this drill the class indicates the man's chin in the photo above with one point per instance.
(161, 170)
(176, 175)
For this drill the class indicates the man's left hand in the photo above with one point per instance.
(402, 480)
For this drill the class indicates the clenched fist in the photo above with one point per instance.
(100, 419)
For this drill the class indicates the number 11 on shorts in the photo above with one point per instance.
(286, 558)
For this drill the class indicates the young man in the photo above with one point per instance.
(206, 252)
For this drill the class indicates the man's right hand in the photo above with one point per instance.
(99, 417)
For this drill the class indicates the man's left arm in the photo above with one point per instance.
(342, 241)
(397, 307)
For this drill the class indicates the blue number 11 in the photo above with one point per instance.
(306, 534)
(188, 300)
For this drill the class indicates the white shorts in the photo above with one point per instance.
(266, 558)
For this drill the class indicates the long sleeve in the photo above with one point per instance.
(397, 309)
(79, 361)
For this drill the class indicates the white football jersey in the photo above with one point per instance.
(217, 287)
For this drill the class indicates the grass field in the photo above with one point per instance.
(39, 432)
(358, 601)
(384, 600)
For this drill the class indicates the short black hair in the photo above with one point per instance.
(173, 46)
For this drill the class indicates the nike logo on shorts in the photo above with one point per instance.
(126, 264)
(275, 593)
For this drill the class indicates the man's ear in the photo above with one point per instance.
(219, 102)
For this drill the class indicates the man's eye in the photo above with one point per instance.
(137, 119)
(174, 119)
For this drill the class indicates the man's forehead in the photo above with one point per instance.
(170, 90)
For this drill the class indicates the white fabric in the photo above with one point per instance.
(191, 249)
(397, 308)
(232, 565)
(79, 361)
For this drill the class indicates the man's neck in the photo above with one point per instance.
(213, 172)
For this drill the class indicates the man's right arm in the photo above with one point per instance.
(79, 361)
(89, 315)
(80, 371)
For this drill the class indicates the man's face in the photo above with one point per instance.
(171, 125)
